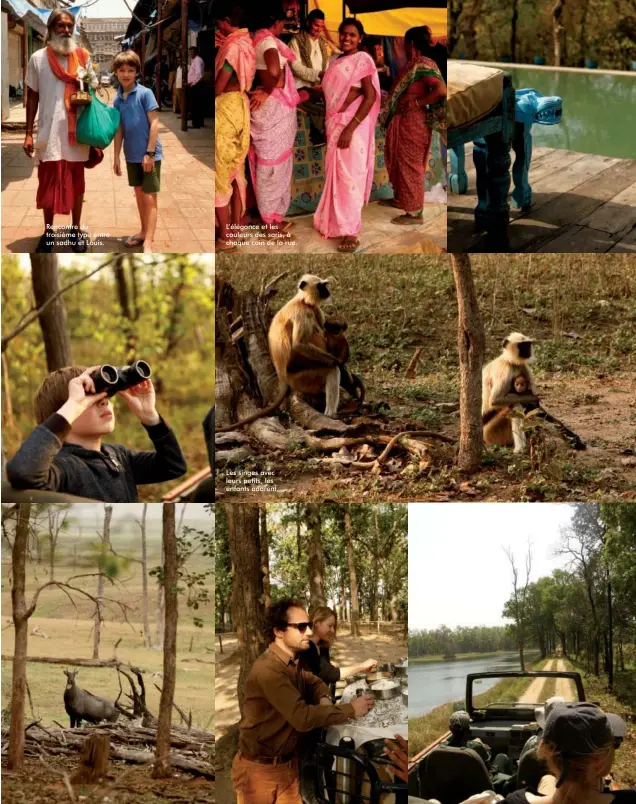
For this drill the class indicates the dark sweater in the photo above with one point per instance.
(317, 662)
(111, 474)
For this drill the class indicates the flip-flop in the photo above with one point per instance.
(350, 247)
(222, 245)
(407, 220)
(134, 242)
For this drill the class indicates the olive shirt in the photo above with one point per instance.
(281, 701)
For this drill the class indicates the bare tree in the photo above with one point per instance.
(144, 578)
(104, 548)
(316, 561)
(57, 523)
(21, 625)
(471, 347)
(45, 278)
(519, 602)
(248, 609)
(353, 580)
(162, 768)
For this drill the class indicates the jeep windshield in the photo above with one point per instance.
(517, 692)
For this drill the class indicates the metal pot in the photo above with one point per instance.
(386, 694)
(401, 670)
(377, 676)
(405, 696)
(387, 667)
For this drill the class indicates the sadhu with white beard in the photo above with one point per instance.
(52, 77)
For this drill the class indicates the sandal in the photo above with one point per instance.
(134, 241)
(348, 245)
(408, 220)
(223, 245)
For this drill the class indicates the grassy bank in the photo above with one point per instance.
(458, 657)
(621, 702)
(424, 730)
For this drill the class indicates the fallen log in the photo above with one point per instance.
(71, 662)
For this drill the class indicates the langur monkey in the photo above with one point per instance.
(507, 381)
(298, 344)
(309, 351)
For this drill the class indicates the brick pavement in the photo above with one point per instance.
(186, 214)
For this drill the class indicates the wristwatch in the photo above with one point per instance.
(151, 154)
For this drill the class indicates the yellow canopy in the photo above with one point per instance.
(386, 23)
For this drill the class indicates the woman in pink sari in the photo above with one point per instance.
(273, 123)
(352, 97)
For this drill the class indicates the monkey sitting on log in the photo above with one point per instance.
(500, 396)
(309, 352)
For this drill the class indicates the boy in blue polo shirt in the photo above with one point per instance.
(138, 131)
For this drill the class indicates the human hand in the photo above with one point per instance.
(398, 752)
(147, 163)
(370, 664)
(117, 167)
(345, 137)
(362, 705)
(141, 402)
(81, 396)
(258, 97)
(28, 145)
(406, 104)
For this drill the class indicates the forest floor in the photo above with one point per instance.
(127, 784)
(347, 650)
(578, 311)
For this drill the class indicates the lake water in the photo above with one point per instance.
(435, 683)
(599, 111)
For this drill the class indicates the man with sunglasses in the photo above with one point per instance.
(282, 701)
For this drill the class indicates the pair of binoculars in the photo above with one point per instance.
(114, 379)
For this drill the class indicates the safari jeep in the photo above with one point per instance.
(452, 775)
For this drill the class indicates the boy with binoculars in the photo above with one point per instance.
(65, 452)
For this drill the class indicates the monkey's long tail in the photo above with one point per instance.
(568, 435)
(258, 415)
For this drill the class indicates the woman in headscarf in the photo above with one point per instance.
(273, 121)
(416, 106)
(234, 69)
(352, 98)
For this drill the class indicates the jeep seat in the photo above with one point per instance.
(531, 769)
(452, 775)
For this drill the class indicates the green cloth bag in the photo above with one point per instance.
(97, 124)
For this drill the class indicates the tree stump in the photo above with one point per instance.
(93, 760)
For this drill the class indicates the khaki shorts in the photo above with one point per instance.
(149, 182)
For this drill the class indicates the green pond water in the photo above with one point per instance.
(599, 111)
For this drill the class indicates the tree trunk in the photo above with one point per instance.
(162, 768)
(123, 297)
(353, 580)
(248, 610)
(315, 558)
(264, 544)
(471, 347)
(93, 760)
(105, 544)
(45, 279)
(454, 13)
(610, 636)
(513, 31)
(161, 605)
(21, 624)
(6, 393)
(144, 579)
(557, 31)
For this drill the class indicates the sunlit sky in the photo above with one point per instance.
(459, 573)
(110, 8)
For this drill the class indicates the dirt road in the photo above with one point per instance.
(564, 686)
(533, 693)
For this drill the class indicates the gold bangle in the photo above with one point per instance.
(355, 117)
